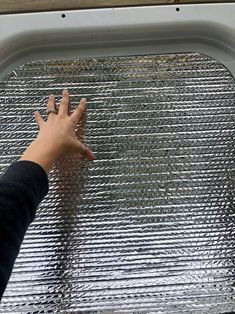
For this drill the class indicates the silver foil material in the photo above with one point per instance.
(148, 227)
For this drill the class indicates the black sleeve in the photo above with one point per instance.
(22, 188)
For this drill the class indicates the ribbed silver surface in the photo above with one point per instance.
(149, 226)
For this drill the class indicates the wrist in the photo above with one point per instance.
(42, 153)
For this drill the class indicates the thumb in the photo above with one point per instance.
(83, 150)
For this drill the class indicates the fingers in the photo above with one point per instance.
(65, 104)
(84, 151)
(51, 104)
(69, 107)
(79, 111)
(38, 119)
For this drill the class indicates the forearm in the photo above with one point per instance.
(22, 187)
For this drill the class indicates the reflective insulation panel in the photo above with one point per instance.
(149, 226)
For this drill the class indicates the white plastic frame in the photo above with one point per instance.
(203, 28)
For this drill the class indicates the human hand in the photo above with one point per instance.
(57, 135)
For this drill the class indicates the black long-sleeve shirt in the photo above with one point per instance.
(22, 188)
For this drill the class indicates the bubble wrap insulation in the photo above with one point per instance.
(149, 226)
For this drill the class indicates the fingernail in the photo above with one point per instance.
(84, 99)
(65, 91)
(51, 96)
(90, 155)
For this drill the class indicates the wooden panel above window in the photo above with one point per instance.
(19, 6)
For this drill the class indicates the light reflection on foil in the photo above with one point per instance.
(148, 227)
